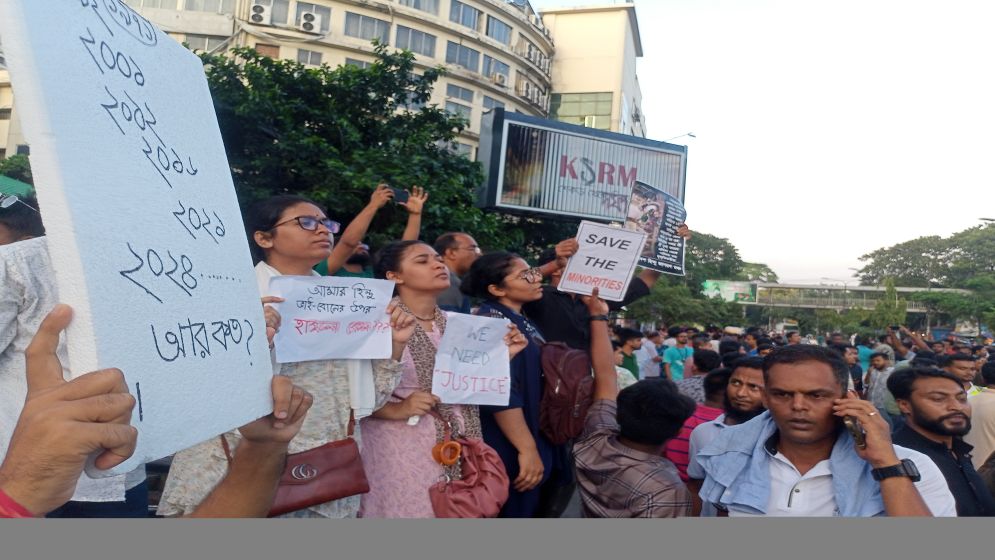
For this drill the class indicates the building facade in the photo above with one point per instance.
(497, 52)
(594, 67)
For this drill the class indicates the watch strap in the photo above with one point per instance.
(598, 318)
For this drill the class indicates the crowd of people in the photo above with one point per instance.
(678, 421)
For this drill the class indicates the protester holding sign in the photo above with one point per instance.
(398, 439)
(505, 282)
(292, 234)
(63, 423)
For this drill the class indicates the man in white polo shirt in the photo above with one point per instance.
(797, 459)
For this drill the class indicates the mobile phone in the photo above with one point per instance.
(856, 430)
(400, 195)
(895, 328)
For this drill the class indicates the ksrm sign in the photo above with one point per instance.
(540, 166)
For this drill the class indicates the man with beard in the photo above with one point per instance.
(742, 401)
(358, 263)
(962, 367)
(937, 416)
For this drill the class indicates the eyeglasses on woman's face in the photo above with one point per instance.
(532, 275)
(310, 223)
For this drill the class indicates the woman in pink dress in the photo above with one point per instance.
(398, 438)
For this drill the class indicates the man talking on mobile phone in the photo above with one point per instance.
(797, 459)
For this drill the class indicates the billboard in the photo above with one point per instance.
(541, 166)
(730, 291)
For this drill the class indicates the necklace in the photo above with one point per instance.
(408, 310)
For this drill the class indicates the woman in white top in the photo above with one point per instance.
(290, 235)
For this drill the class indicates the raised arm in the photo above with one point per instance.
(917, 340)
(602, 357)
(414, 206)
(356, 231)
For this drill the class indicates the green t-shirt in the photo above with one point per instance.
(629, 363)
(322, 269)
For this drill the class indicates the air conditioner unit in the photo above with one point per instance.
(309, 22)
(499, 79)
(261, 12)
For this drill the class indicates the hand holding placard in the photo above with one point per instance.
(606, 259)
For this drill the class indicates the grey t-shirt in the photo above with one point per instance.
(453, 299)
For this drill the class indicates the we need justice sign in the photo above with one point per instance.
(606, 259)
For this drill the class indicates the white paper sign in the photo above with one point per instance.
(144, 228)
(472, 365)
(329, 318)
(606, 259)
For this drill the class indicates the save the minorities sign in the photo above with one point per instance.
(606, 259)
(144, 228)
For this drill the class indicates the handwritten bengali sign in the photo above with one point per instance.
(472, 365)
(144, 227)
(658, 215)
(326, 318)
(606, 259)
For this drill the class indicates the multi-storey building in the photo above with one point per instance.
(497, 52)
(594, 68)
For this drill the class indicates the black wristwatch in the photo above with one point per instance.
(905, 468)
(598, 318)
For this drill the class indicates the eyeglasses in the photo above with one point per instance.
(474, 248)
(532, 276)
(8, 200)
(310, 223)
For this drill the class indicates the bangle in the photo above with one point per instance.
(598, 318)
(11, 509)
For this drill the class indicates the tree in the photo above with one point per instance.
(920, 262)
(333, 134)
(709, 257)
(758, 272)
(889, 310)
(17, 167)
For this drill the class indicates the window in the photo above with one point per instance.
(464, 56)
(366, 27)
(272, 51)
(457, 92)
(587, 109)
(499, 30)
(279, 10)
(5, 114)
(217, 6)
(359, 63)
(493, 66)
(23, 150)
(3, 153)
(322, 11)
(459, 109)
(491, 103)
(169, 4)
(465, 150)
(415, 41)
(309, 58)
(430, 6)
(204, 43)
(463, 14)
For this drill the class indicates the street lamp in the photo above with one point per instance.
(689, 134)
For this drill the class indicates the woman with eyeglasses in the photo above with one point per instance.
(506, 282)
(289, 235)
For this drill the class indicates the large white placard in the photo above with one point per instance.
(144, 228)
(327, 318)
(472, 365)
(606, 259)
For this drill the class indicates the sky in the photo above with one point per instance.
(823, 130)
